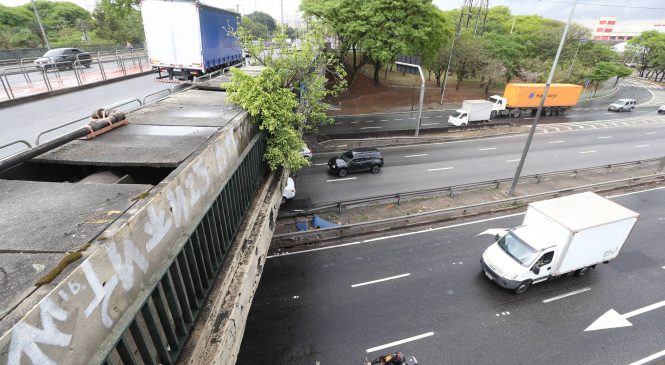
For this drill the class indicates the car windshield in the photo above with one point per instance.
(347, 156)
(517, 249)
(456, 114)
(53, 52)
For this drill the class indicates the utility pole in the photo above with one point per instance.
(542, 101)
(513, 26)
(281, 5)
(452, 49)
(422, 91)
(39, 20)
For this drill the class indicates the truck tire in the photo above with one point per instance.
(493, 114)
(583, 271)
(561, 110)
(516, 113)
(522, 288)
(548, 112)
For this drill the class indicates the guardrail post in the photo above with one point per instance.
(7, 91)
(450, 194)
(661, 166)
(399, 199)
(339, 207)
(574, 173)
(101, 66)
(539, 179)
(25, 74)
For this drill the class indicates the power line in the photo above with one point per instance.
(606, 5)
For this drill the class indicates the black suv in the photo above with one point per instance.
(62, 58)
(358, 159)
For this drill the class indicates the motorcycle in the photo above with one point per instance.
(409, 360)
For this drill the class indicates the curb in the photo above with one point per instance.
(44, 95)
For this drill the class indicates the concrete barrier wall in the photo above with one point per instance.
(79, 318)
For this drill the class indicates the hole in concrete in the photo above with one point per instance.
(48, 172)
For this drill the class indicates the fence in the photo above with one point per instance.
(160, 328)
(17, 54)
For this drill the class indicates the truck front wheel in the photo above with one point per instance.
(583, 271)
(493, 114)
(522, 288)
(516, 113)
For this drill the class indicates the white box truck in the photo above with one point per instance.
(189, 38)
(473, 111)
(571, 234)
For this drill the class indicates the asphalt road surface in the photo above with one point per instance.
(649, 97)
(410, 168)
(423, 293)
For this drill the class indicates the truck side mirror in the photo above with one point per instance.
(536, 269)
(496, 237)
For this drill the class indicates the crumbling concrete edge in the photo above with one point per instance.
(219, 330)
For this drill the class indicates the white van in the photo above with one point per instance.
(622, 105)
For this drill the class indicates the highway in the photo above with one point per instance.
(425, 291)
(409, 168)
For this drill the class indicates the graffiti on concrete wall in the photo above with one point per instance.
(78, 314)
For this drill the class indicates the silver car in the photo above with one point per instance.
(622, 105)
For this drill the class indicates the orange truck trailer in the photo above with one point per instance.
(525, 98)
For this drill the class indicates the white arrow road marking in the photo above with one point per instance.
(494, 231)
(380, 280)
(612, 319)
(377, 348)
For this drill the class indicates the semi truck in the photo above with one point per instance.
(525, 98)
(188, 39)
(473, 111)
(559, 236)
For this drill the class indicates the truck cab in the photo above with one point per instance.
(499, 103)
(459, 117)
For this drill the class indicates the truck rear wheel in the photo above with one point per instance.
(561, 110)
(516, 113)
(548, 112)
(522, 288)
(583, 271)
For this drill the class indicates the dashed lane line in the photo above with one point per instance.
(395, 343)
(565, 295)
(440, 169)
(344, 179)
(380, 280)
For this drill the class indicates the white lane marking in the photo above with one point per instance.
(552, 142)
(605, 137)
(515, 160)
(354, 122)
(566, 295)
(588, 152)
(608, 113)
(377, 348)
(570, 116)
(344, 179)
(439, 116)
(632, 193)
(420, 155)
(370, 127)
(649, 358)
(487, 149)
(384, 120)
(320, 164)
(369, 121)
(412, 118)
(529, 118)
(643, 145)
(650, 132)
(398, 119)
(424, 117)
(380, 280)
(423, 124)
(315, 249)
(439, 169)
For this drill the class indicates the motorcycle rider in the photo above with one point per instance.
(397, 358)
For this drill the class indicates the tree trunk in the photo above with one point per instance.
(377, 69)
(385, 74)
(617, 81)
(482, 80)
(487, 89)
(459, 81)
(438, 80)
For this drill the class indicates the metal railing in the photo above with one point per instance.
(83, 70)
(454, 189)
(169, 311)
(369, 226)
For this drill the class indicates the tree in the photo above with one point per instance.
(118, 22)
(508, 49)
(287, 98)
(621, 71)
(263, 18)
(468, 56)
(493, 71)
(650, 43)
(602, 72)
(257, 30)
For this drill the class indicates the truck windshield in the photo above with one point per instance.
(517, 249)
(456, 114)
(494, 100)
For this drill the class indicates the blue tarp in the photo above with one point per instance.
(318, 222)
(302, 226)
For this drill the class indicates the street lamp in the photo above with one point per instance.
(422, 90)
(570, 70)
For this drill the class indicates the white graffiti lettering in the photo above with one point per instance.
(63, 295)
(125, 270)
(201, 172)
(102, 293)
(157, 228)
(74, 288)
(26, 337)
(178, 205)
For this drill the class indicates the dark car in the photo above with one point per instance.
(62, 58)
(358, 159)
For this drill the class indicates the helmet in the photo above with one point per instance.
(399, 356)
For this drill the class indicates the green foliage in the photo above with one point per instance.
(287, 98)
(257, 30)
(118, 22)
(264, 19)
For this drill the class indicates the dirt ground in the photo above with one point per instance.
(400, 92)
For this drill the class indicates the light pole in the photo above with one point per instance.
(570, 70)
(542, 102)
(39, 20)
(422, 91)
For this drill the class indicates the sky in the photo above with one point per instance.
(631, 13)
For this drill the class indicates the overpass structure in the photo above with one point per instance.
(143, 245)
